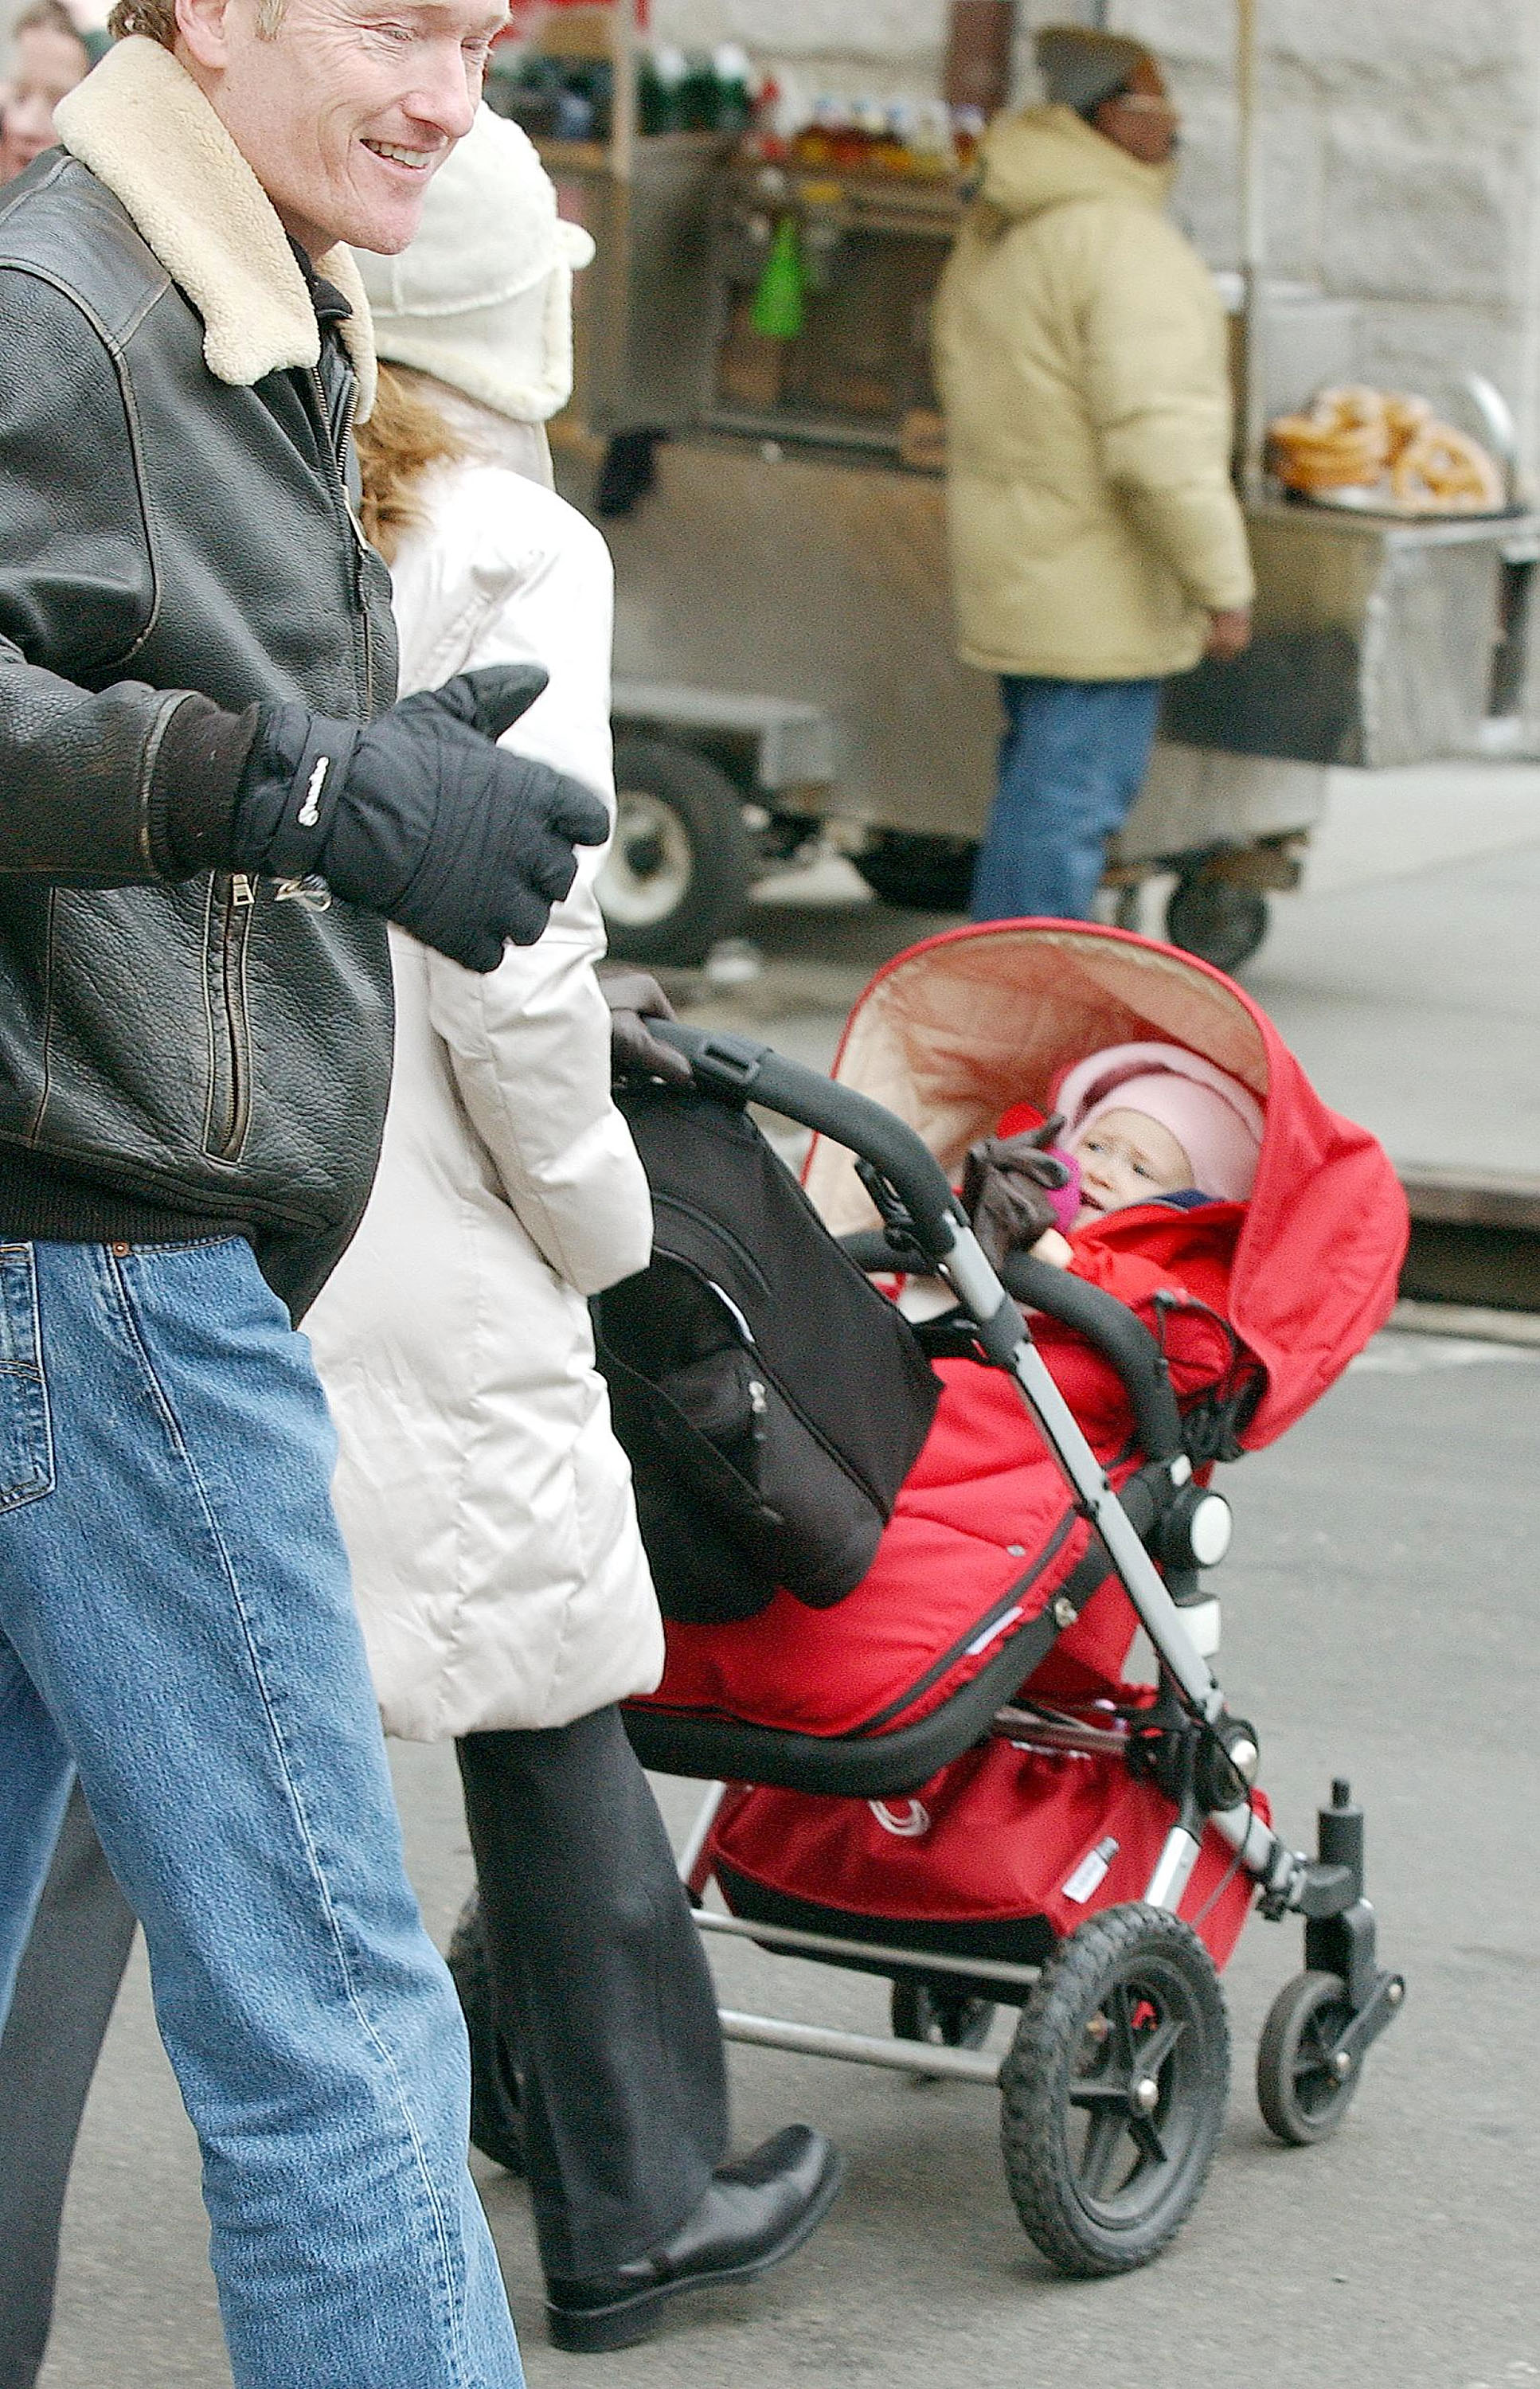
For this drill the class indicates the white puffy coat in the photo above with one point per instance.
(486, 1505)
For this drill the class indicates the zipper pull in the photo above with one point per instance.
(241, 891)
(311, 892)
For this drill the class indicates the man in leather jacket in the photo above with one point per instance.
(209, 808)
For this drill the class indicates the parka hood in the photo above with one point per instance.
(1045, 157)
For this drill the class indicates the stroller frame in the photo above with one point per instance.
(1207, 1757)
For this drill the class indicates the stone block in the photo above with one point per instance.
(887, 34)
(1406, 346)
(1405, 218)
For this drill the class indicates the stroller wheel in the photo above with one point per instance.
(1300, 2090)
(497, 2127)
(946, 2018)
(1114, 2090)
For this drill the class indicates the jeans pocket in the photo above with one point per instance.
(25, 1433)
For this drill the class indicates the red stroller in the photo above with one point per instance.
(943, 1777)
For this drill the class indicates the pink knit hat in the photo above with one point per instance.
(1217, 1121)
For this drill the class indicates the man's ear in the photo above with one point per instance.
(202, 33)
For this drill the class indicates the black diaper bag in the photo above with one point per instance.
(772, 1401)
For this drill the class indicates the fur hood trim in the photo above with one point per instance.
(144, 128)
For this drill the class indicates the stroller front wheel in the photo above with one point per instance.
(1114, 2090)
(1302, 2088)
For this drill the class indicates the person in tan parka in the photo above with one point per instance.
(1096, 540)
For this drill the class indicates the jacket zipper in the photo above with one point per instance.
(335, 445)
(240, 898)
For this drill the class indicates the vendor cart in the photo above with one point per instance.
(784, 642)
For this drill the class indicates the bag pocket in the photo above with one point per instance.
(26, 1433)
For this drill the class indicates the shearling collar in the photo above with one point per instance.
(144, 128)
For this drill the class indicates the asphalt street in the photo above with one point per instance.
(1380, 1623)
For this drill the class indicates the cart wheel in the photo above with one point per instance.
(497, 2126)
(1114, 2090)
(1301, 2095)
(925, 874)
(947, 2019)
(1218, 922)
(681, 862)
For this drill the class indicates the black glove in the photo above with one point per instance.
(1007, 1187)
(634, 997)
(419, 815)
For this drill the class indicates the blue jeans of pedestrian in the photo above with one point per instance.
(176, 1619)
(1071, 761)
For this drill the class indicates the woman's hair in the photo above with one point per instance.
(405, 435)
(157, 18)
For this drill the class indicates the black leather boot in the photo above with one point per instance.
(754, 2213)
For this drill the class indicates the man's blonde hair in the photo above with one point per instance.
(157, 18)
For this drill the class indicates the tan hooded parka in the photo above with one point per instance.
(1082, 360)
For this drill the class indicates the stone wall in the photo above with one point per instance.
(1401, 149)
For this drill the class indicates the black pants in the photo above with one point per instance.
(64, 1994)
(606, 1990)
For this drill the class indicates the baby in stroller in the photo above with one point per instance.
(1140, 1124)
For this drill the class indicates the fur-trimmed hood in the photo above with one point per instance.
(145, 129)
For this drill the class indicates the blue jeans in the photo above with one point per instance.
(175, 1620)
(1071, 761)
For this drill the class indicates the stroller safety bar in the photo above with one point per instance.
(1115, 1332)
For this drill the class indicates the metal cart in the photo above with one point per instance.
(783, 641)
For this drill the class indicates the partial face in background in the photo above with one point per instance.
(46, 63)
(1142, 119)
(347, 108)
(1126, 1157)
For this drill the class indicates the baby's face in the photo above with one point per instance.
(1126, 1157)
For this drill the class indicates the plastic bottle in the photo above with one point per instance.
(778, 310)
(732, 105)
(659, 87)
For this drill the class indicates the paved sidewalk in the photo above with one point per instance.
(1404, 974)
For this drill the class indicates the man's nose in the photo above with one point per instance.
(447, 94)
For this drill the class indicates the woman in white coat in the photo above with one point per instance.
(500, 1575)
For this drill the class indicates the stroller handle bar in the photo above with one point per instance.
(749, 1073)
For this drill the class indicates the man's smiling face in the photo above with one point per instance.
(345, 111)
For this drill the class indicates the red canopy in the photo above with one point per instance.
(953, 1032)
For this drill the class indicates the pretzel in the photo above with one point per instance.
(1444, 471)
(1405, 418)
(1353, 437)
(1343, 442)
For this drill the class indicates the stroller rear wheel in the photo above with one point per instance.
(1303, 2088)
(1114, 2090)
(946, 2018)
(497, 2124)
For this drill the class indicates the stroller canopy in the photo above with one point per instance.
(953, 1032)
